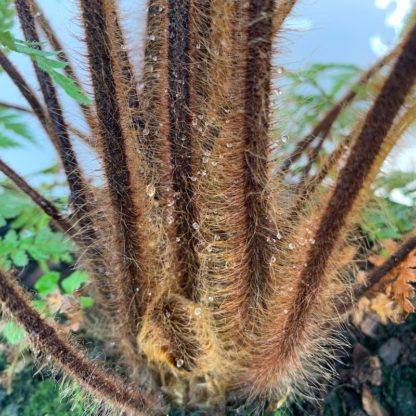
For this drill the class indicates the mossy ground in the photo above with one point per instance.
(34, 395)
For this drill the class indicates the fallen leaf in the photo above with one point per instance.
(371, 405)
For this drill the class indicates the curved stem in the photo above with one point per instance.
(293, 326)
(121, 167)
(77, 185)
(283, 10)
(180, 137)
(57, 46)
(107, 387)
(257, 91)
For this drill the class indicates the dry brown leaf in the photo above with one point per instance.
(68, 305)
(376, 259)
(391, 297)
(371, 405)
(390, 245)
(347, 255)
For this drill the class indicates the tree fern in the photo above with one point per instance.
(217, 279)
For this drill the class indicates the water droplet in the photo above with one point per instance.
(168, 314)
(272, 260)
(280, 70)
(217, 237)
(229, 145)
(178, 239)
(284, 138)
(193, 179)
(312, 240)
(204, 173)
(285, 311)
(179, 363)
(170, 219)
(198, 311)
(150, 190)
(198, 46)
(155, 58)
(278, 91)
(137, 289)
(152, 37)
(146, 131)
(171, 202)
(161, 8)
(200, 116)
(214, 163)
(210, 298)
(194, 123)
(195, 226)
(209, 249)
(291, 246)
(278, 235)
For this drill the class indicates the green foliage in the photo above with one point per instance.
(311, 92)
(74, 281)
(6, 15)
(28, 235)
(13, 333)
(12, 128)
(387, 217)
(47, 283)
(46, 61)
(86, 302)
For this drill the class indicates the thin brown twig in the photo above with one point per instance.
(324, 126)
(379, 272)
(46, 206)
(348, 301)
(72, 129)
(5, 104)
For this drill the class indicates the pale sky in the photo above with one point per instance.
(342, 31)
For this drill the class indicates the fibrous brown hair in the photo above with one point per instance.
(218, 280)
